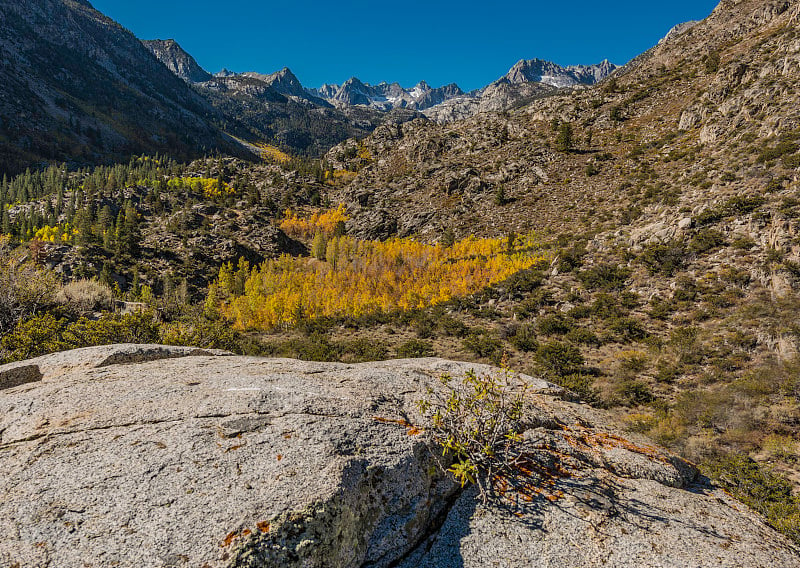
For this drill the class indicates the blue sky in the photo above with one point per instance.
(468, 42)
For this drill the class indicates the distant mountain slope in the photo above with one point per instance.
(387, 96)
(177, 60)
(76, 86)
(540, 71)
(526, 80)
(268, 108)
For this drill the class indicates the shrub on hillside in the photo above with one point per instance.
(604, 277)
(555, 324)
(628, 329)
(766, 492)
(559, 358)
(483, 344)
(452, 327)
(530, 306)
(524, 281)
(706, 240)
(665, 259)
(25, 289)
(634, 392)
(45, 333)
(85, 296)
(584, 336)
(415, 348)
(524, 338)
(579, 383)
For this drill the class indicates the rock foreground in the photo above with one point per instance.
(169, 457)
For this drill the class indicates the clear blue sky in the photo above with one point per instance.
(468, 42)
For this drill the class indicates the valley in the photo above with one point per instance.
(631, 234)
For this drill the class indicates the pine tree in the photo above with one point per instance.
(564, 140)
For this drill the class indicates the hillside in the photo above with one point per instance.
(79, 88)
(669, 193)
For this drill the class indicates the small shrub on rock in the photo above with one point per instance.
(477, 421)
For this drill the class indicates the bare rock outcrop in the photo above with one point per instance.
(171, 457)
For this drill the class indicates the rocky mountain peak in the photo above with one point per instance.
(177, 60)
(386, 96)
(286, 83)
(549, 73)
(677, 30)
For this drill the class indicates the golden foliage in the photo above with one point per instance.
(339, 177)
(58, 234)
(211, 188)
(323, 222)
(272, 154)
(361, 277)
(363, 153)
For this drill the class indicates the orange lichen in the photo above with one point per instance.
(410, 428)
(229, 539)
(263, 526)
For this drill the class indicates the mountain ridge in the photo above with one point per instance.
(386, 96)
(177, 60)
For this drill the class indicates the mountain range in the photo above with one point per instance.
(80, 88)
(385, 97)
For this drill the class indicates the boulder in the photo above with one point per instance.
(156, 456)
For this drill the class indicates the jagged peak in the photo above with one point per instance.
(177, 60)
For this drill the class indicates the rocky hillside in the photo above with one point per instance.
(310, 464)
(168, 52)
(669, 194)
(79, 88)
(666, 120)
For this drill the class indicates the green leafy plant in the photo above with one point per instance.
(477, 421)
